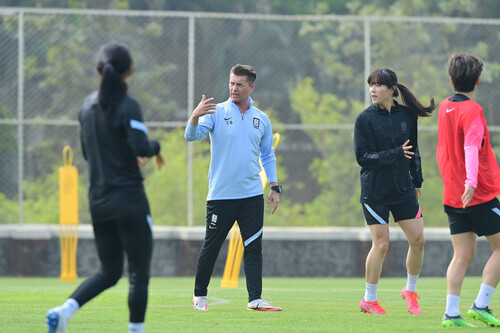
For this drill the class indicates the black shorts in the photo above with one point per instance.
(484, 219)
(379, 214)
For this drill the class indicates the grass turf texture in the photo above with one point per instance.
(309, 305)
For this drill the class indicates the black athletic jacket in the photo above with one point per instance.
(112, 144)
(378, 139)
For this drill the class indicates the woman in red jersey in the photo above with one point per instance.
(471, 184)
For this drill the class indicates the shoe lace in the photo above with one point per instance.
(375, 305)
(202, 301)
(487, 309)
(459, 320)
(413, 297)
(265, 302)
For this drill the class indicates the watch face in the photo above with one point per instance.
(276, 188)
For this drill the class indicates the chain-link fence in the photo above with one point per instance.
(311, 80)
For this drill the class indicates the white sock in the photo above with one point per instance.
(411, 283)
(484, 296)
(135, 327)
(70, 307)
(371, 292)
(452, 305)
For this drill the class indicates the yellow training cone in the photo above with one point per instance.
(68, 215)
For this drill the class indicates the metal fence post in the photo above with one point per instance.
(20, 115)
(367, 60)
(190, 106)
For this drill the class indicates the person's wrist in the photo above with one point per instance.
(193, 121)
(276, 187)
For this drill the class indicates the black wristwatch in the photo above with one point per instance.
(277, 188)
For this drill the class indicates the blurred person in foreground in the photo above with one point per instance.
(471, 185)
(114, 142)
(239, 134)
(386, 148)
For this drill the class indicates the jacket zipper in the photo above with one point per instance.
(392, 130)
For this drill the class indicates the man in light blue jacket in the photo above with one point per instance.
(239, 134)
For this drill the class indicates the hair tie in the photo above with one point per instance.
(107, 64)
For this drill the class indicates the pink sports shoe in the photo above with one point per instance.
(371, 307)
(411, 298)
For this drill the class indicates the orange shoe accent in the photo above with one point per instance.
(371, 307)
(411, 298)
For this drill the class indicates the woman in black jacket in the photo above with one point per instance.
(114, 142)
(386, 147)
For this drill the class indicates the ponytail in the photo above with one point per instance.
(112, 89)
(413, 103)
(114, 61)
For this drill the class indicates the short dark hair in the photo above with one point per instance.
(245, 70)
(464, 70)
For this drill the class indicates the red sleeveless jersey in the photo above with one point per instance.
(454, 119)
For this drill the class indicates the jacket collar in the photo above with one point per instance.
(459, 98)
(250, 101)
(395, 107)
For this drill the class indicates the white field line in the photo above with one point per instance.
(211, 301)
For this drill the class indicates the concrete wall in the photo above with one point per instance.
(34, 250)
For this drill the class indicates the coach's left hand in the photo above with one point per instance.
(274, 198)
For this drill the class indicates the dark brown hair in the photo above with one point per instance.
(113, 62)
(245, 70)
(386, 77)
(464, 70)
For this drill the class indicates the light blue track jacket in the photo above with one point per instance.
(235, 143)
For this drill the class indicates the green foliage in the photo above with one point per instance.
(453, 8)
(9, 210)
(311, 72)
(41, 203)
(41, 200)
(333, 169)
(167, 189)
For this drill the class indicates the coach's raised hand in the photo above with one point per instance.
(204, 107)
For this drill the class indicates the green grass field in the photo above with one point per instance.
(309, 305)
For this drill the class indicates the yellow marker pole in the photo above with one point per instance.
(238, 256)
(227, 276)
(236, 249)
(68, 215)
